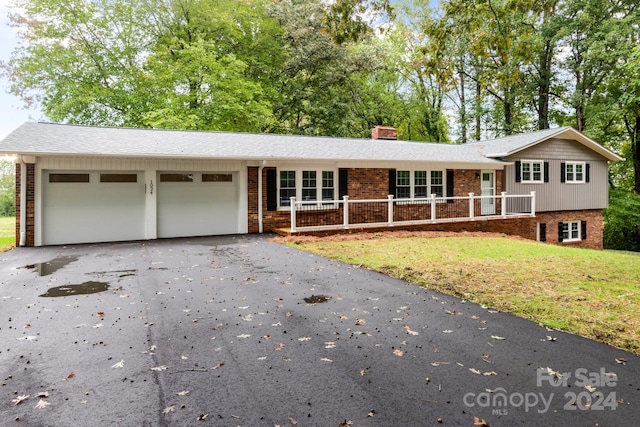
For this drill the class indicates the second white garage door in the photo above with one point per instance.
(197, 204)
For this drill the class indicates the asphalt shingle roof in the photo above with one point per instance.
(57, 139)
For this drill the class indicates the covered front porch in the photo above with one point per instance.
(326, 215)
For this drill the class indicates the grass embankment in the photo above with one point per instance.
(7, 233)
(591, 293)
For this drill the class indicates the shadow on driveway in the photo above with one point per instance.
(239, 330)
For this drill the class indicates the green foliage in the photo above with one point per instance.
(7, 188)
(622, 221)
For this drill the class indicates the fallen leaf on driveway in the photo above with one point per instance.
(120, 364)
(371, 413)
(439, 363)
(363, 373)
(19, 399)
(480, 422)
(495, 337)
(360, 322)
(183, 393)
(42, 404)
(159, 368)
(43, 394)
(398, 352)
(304, 338)
(168, 409)
(325, 359)
(71, 375)
(475, 371)
(243, 336)
(293, 422)
(621, 361)
(202, 417)
(410, 332)
(330, 344)
(346, 423)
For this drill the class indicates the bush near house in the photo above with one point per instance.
(622, 221)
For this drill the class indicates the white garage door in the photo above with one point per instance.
(84, 207)
(197, 204)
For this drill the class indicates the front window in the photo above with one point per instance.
(570, 231)
(420, 184)
(307, 185)
(328, 188)
(532, 171)
(287, 187)
(437, 183)
(309, 190)
(574, 172)
(403, 184)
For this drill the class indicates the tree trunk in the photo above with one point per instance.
(544, 85)
(635, 147)
(463, 110)
(478, 111)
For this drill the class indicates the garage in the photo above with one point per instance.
(90, 206)
(198, 204)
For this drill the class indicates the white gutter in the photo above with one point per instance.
(23, 201)
(262, 165)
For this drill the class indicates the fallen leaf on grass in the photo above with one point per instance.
(42, 404)
(120, 364)
(19, 399)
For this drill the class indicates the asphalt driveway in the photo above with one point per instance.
(217, 331)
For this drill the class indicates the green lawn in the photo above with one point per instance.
(587, 292)
(7, 233)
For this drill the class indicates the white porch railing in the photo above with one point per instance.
(344, 214)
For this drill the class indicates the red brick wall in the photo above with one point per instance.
(30, 204)
(594, 220)
(368, 183)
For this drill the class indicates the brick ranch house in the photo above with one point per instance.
(81, 184)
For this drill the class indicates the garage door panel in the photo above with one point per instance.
(94, 211)
(201, 206)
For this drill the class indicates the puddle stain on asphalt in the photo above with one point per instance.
(315, 299)
(49, 267)
(79, 289)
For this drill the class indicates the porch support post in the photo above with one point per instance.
(390, 210)
(293, 213)
(433, 208)
(504, 204)
(345, 211)
(471, 212)
(533, 203)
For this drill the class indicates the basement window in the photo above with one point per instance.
(118, 177)
(217, 177)
(570, 231)
(69, 177)
(176, 177)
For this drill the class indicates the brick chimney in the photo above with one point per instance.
(384, 132)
